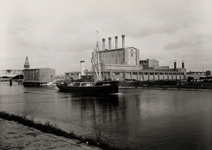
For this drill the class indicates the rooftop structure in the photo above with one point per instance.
(26, 64)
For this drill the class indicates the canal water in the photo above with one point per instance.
(135, 118)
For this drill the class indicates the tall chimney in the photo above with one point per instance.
(82, 67)
(116, 42)
(175, 65)
(109, 41)
(183, 65)
(123, 41)
(103, 44)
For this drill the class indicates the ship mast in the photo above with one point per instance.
(96, 62)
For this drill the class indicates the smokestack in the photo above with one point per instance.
(82, 67)
(116, 42)
(109, 41)
(123, 41)
(175, 65)
(103, 44)
(183, 65)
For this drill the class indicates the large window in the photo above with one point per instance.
(36, 75)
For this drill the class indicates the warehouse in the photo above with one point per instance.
(37, 76)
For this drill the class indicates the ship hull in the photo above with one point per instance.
(101, 88)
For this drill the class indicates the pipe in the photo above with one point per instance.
(82, 67)
(175, 65)
(103, 44)
(109, 41)
(116, 42)
(183, 65)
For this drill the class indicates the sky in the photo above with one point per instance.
(59, 34)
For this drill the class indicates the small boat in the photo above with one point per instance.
(100, 87)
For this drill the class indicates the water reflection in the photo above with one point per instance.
(139, 118)
(97, 112)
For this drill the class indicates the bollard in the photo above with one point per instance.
(11, 82)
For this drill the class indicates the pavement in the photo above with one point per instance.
(15, 136)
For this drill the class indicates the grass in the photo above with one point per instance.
(53, 129)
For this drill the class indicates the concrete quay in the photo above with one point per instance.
(16, 136)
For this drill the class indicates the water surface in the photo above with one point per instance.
(136, 118)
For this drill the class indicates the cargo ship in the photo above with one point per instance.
(100, 87)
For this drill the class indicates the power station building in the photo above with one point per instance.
(124, 63)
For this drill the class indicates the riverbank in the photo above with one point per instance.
(21, 132)
(16, 136)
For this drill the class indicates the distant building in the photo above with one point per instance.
(38, 76)
(195, 75)
(82, 74)
(7, 74)
(208, 73)
(124, 63)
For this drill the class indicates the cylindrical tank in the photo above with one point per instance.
(82, 67)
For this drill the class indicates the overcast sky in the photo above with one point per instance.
(59, 33)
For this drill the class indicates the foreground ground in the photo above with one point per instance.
(17, 136)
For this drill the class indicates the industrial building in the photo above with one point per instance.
(37, 76)
(7, 74)
(124, 63)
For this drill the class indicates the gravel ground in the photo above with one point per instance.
(16, 136)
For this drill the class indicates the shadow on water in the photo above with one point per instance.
(102, 101)
(89, 98)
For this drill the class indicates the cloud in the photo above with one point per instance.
(204, 36)
(142, 29)
(176, 45)
(169, 28)
(53, 33)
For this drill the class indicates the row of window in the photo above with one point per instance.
(151, 73)
(32, 75)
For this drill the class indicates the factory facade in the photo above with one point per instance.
(124, 63)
